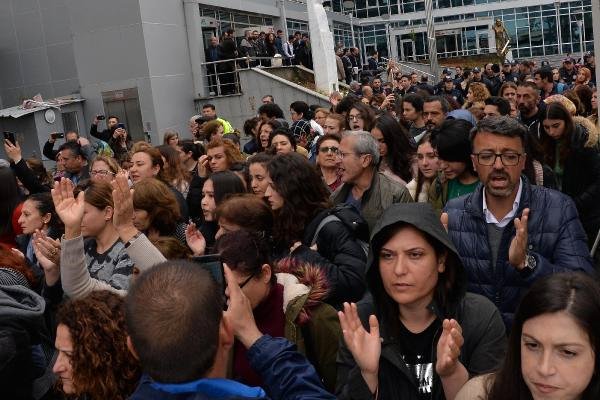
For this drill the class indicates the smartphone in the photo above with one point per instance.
(57, 135)
(121, 125)
(10, 137)
(387, 91)
(100, 117)
(213, 264)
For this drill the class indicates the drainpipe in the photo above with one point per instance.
(196, 46)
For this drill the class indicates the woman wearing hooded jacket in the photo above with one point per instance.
(420, 336)
(284, 304)
(300, 202)
(571, 149)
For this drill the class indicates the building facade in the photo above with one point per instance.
(536, 28)
(137, 58)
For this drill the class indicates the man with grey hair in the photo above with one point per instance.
(370, 191)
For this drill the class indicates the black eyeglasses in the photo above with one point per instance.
(328, 149)
(248, 279)
(509, 159)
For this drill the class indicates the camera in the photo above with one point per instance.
(57, 135)
(100, 117)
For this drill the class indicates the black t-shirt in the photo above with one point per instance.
(417, 351)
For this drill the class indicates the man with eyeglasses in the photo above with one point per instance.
(368, 190)
(508, 232)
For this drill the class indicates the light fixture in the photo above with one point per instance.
(348, 4)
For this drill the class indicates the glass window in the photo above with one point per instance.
(550, 30)
(536, 32)
(70, 121)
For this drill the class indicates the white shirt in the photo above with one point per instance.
(491, 219)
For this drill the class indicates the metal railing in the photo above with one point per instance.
(223, 79)
(408, 67)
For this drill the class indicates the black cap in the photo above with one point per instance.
(476, 69)
(447, 79)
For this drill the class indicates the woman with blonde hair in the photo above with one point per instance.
(104, 169)
(321, 115)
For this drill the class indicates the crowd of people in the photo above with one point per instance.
(405, 241)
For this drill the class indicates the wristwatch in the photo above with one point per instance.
(530, 262)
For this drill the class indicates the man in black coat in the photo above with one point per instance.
(228, 51)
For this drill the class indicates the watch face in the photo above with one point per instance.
(530, 262)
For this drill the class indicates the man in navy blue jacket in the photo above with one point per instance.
(182, 337)
(508, 232)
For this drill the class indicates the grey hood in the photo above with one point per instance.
(17, 303)
(423, 217)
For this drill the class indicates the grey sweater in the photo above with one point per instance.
(76, 279)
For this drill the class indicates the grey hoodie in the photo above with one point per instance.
(25, 348)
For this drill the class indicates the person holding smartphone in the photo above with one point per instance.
(70, 136)
(115, 135)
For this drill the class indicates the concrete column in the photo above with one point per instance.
(194, 34)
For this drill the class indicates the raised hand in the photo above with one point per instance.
(444, 220)
(448, 348)
(518, 246)
(239, 311)
(49, 247)
(123, 207)
(195, 240)
(46, 254)
(364, 346)
(203, 166)
(13, 151)
(68, 208)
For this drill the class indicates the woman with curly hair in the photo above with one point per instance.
(300, 201)
(477, 92)
(91, 340)
(395, 149)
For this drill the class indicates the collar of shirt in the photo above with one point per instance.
(491, 219)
